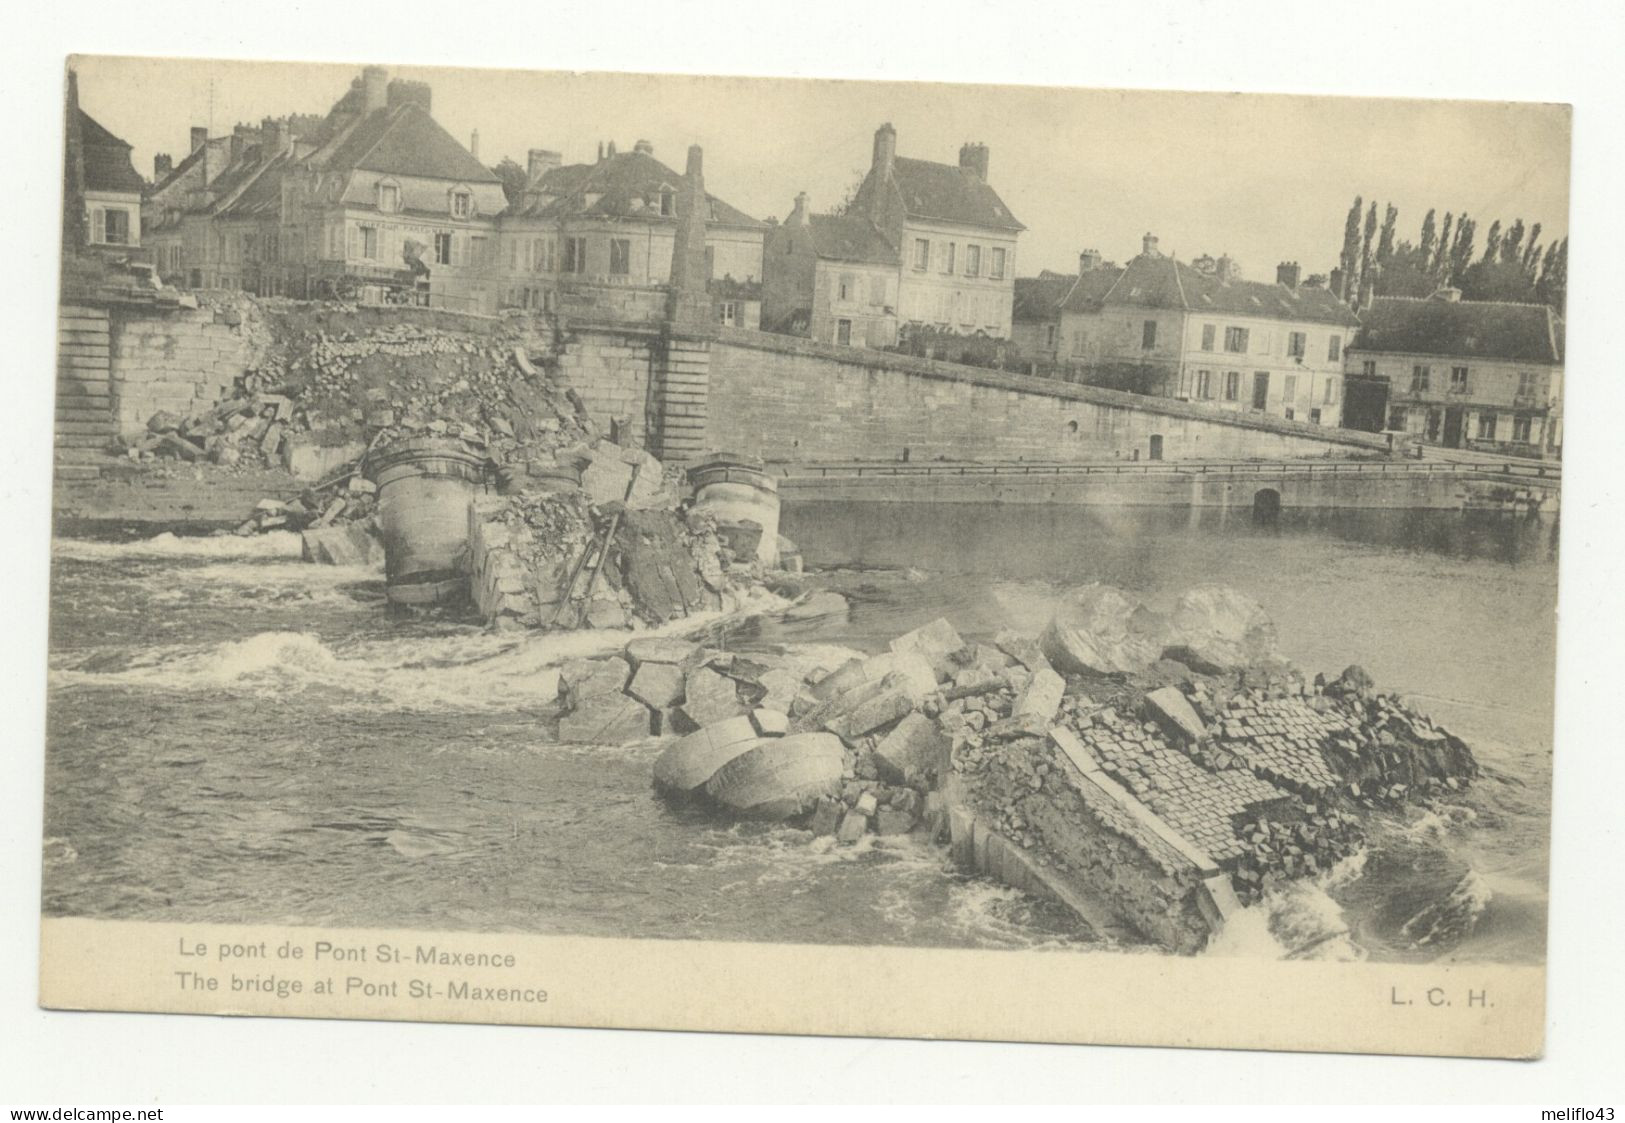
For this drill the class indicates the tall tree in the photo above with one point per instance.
(1553, 286)
(1512, 244)
(1349, 260)
(1441, 255)
(1462, 256)
(1430, 236)
(1385, 242)
(1531, 253)
(1492, 241)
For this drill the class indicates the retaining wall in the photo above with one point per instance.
(177, 361)
(790, 399)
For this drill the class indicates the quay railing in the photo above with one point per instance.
(1534, 473)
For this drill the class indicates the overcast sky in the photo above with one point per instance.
(1263, 178)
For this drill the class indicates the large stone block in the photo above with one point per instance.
(1042, 697)
(936, 642)
(658, 685)
(605, 719)
(586, 678)
(912, 751)
(711, 697)
(1099, 630)
(342, 545)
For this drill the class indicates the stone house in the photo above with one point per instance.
(1466, 374)
(109, 187)
(954, 239)
(601, 237)
(1159, 326)
(373, 201)
(833, 278)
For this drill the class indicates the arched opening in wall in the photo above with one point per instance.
(1156, 446)
(1266, 506)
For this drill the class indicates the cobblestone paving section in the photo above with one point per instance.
(1200, 803)
(1283, 740)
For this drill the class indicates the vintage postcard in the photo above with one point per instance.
(805, 556)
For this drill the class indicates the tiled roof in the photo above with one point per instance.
(944, 191)
(1090, 291)
(1475, 329)
(262, 196)
(1038, 299)
(403, 140)
(850, 238)
(107, 159)
(626, 185)
(1162, 282)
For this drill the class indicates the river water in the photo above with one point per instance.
(235, 736)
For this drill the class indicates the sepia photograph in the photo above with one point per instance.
(719, 520)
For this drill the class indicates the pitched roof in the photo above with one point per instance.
(107, 158)
(1154, 281)
(1038, 299)
(263, 194)
(403, 140)
(1089, 294)
(626, 185)
(1473, 329)
(850, 237)
(946, 192)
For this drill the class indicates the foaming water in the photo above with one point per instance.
(272, 544)
(238, 737)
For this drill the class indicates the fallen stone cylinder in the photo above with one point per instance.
(424, 488)
(780, 776)
(692, 761)
(736, 492)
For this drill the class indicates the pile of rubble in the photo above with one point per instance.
(1246, 774)
(605, 540)
(370, 385)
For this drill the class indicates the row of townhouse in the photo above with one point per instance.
(1159, 326)
(376, 200)
(1470, 375)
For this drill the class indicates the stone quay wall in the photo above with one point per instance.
(789, 399)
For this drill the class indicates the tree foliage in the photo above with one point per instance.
(514, 179)
(1513, 266)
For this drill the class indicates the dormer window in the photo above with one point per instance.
(668, 202)
(462, 204)
(389, 196)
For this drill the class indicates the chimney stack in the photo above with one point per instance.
(405, 91)
(374, 88)
(540, 161)
(474, 144)
(1335, 282)
(162, 165)
(610, 150)
(798, 216)
(1288, 273)
(885, 154)
(241, 135)
(600, 152)
(200, 137)
(1089, 261)
(644, 147)
(973, 159)
(1226, 269)
(1148, 246)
